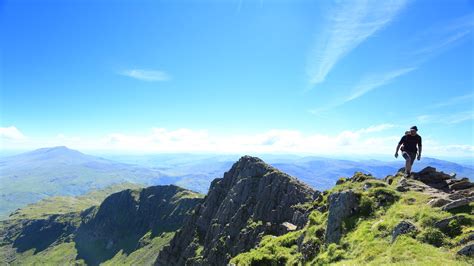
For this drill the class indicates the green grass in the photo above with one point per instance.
(143, 256)
(66, 204)
(62, 254)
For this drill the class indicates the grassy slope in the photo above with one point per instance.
(143, 256)
(66, 204)
(368, 236)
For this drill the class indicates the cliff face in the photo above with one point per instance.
(252, 199)
(124, 222)
(125, 217)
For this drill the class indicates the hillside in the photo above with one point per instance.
(426, 219)
(124, 227)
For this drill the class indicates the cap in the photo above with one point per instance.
(414, 127)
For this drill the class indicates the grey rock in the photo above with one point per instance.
(404, 227)
(458, 203)
(467, 250)
(402, 185)
(341, 206)
(443, 224)
(461, 184)
(438, 202)
(467, 239)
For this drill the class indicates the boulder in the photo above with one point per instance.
(341, 206)
(467, 250)
(402, 185)
(438, 202)
(404, 227)
(458, 203)
(461, 184)
(443, 224)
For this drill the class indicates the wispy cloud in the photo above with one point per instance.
(449, 119)
(443, 37)
(350, 24)
(147, 75)
(455, 101)
(372, 82)
(11, 133)
(365, 85)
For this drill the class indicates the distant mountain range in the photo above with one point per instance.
(29, 177)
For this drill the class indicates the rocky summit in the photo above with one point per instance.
(253, 199)
(424, 219)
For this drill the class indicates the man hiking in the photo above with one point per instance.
(411, 145)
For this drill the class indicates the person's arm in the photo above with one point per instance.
(398, 146)
(419, 149)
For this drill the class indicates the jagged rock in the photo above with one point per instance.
(402, 185)
(341, 205)
(443, 224)
(389, 179)
(251, 199)
(404, 227)
(360, 177)
(438, 202)
(322, 208)
(461, 184)
(457, 203)
(300, 218)
(467, 250)
(467, 239)
(289, 226)
(309, 249)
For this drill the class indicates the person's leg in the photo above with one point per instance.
(412, 160)
(407, 162)
(408, 167)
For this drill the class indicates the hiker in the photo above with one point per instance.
(410, 144)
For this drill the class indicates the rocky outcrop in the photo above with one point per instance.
(447, 192)
(467, 250)
(341, 206)
(403, 228)
(442, 181)
(251, 200)
(124, 217)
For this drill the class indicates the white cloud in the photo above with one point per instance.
(376, 139)
(350, 24)
(147, 75)
(275, 140)
(11, 133)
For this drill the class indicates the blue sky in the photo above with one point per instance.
(316, 77)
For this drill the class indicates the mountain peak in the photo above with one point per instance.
(251, 200)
